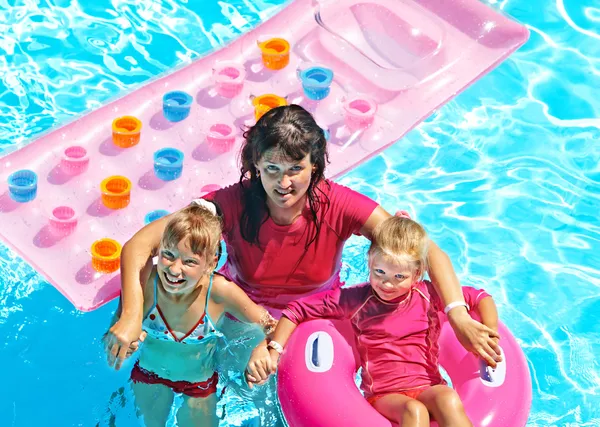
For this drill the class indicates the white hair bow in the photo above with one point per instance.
(209, 206)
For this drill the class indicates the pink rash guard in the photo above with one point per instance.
(397, 340)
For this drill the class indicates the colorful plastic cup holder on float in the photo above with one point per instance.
(106, 254)
(116, 192)
(264, 103)
(220, 138)
(177, 105)
(62, 219)
(168, 164)
(22, 185)
(359, 113)
(154, 215)
(75, 160)
(126, 131)
(275, 53)
(316, 82)
(229, 78)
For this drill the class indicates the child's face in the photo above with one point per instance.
(179, 269)
(390, 280)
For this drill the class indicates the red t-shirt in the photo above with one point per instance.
(281, 269)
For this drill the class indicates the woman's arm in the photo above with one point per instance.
(117, 352)
(488, 312)
(136, 254)
(489, 317)
(474, 336)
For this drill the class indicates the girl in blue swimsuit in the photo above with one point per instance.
(184, 300)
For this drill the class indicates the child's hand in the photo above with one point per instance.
(260, 366)
(135, 346)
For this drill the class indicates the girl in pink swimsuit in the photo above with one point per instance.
(184, 301)
(396, 322)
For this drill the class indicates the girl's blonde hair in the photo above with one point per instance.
(403, 241)
(200, 226)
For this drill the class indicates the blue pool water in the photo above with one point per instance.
(506, 178)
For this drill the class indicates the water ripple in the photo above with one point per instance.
(506, 178)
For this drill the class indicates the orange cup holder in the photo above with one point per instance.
(116, 192)
(275, 53)
(106, 254)
(264, 103)
(126, 131)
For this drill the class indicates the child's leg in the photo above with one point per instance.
(404, 410)
(153, 402)
(197, 411)
(446, 407)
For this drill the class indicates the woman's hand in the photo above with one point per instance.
(260, 366)
(120, 339)
(475, 337)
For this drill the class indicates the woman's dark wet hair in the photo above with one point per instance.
(292, 131)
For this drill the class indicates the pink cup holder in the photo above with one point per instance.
(75, 160)
(220, 138)
(229, 78)
(359, 113)
(62, 219)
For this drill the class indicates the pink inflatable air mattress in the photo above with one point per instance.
(368, 70)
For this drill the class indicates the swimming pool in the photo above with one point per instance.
(506, 179)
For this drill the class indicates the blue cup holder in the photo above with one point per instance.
(154, 215)
(168, 164)
(177, 105)
(316, 82)
(22, 185)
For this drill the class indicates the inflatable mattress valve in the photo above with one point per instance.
(62, 220)
(177, 105)
(126, 131)
(22, 185)
(105, 255)
(359, 113)
(229, 78)
(264, 103)
(220, 138)
(75, 160)
(316, 81)
(154, 215)
(116, 192)
(275, 53)
(168, 164)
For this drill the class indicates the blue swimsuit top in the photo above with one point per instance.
(157, 327)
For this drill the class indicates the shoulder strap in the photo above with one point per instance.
(207, 316)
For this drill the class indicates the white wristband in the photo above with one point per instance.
(454, 305)
(275, 346)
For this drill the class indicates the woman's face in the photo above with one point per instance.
(284, 181)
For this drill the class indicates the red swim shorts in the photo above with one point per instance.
(413, 394)
(201, 389)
